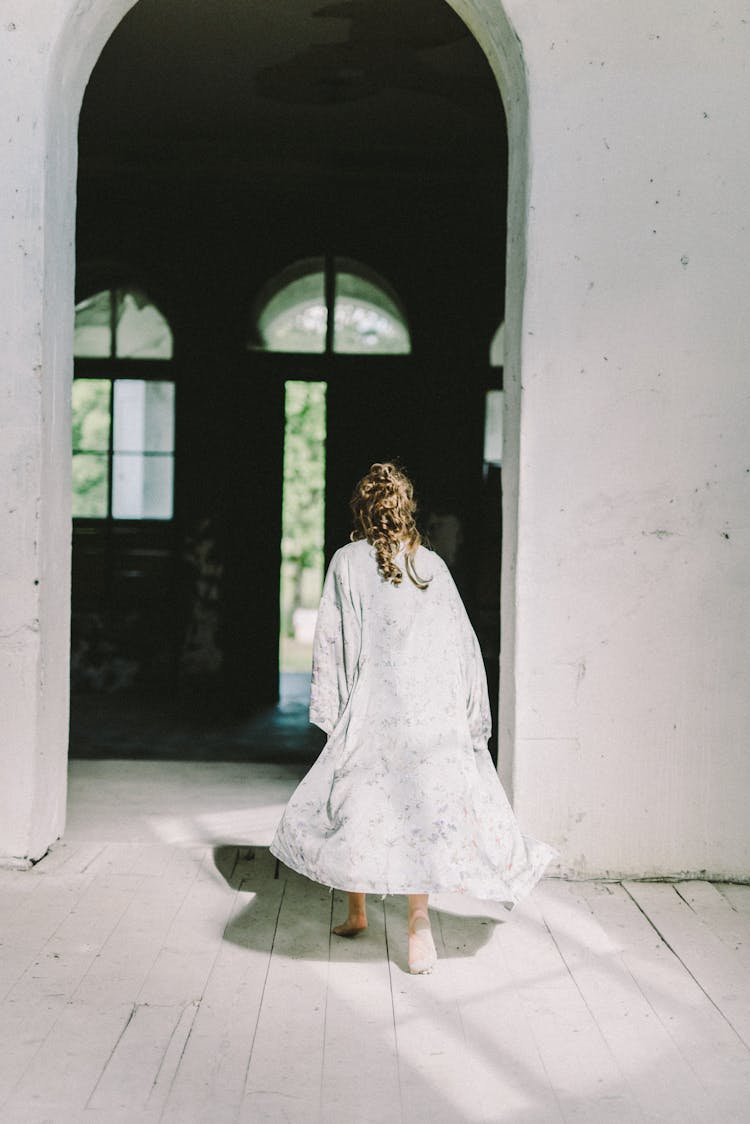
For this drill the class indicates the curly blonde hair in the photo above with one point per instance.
(383, 508)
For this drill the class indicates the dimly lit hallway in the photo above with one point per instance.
(156, 727)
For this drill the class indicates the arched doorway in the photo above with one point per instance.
(80, 38)
(391, 130)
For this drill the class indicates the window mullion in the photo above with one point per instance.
(111, 473)
(330, 299)
(113, 323)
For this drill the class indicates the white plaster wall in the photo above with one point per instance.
(47, 51)
(31, 771)
(633, 583)
(624, 708)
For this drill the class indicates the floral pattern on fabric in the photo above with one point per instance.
(404, 798)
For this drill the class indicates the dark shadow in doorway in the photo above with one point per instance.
(152, 726)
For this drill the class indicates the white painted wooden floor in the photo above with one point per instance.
(180, 981)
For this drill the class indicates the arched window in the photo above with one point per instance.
(120, 324)
(123, 425)
(293, 312)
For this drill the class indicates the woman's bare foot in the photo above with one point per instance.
(351, 926)
(422, 951)
(356, 919)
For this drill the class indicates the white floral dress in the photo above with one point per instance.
(404, 798)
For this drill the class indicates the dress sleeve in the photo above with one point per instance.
(473, 672)
(336, 647)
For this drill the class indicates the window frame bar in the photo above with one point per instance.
(113, 369)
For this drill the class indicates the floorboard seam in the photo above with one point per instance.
(111, 1054)
(664, 1025)
(325, 1013)
(168, 927)
(38, 953)
(687, 969)
(69, 998)
(260, 1004)
(687, 903)
(668, 1030)
(393, 1012)
(93, 859)
(719, 889)
(524, 1007)
(195, 1002)
(654, 926)
(626, 1084)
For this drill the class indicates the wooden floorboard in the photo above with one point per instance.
(715, 910)
(158, 984)
(737, 894)
(587, 1078)
(33, 907)
(39, 997)
(709, 1045)
(715, 967)
(509, 1079)
(283, 1078)
(99, 1010)
(360, 1079)
(659, 1080)
(436, 1070)
(209, 1083)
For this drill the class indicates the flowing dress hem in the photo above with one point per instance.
(523, 885)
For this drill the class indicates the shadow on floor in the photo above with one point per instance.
(309, 907)
(152, 727)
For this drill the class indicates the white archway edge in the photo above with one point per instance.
(51, 47)
(624, 669)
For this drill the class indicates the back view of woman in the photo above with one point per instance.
(404, 798)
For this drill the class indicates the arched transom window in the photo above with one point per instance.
(329, 305)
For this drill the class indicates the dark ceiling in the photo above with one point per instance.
(281, 89)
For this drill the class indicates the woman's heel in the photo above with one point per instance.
(422, 951)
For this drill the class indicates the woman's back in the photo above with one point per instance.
(410, 654)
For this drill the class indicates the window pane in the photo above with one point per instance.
(91, 414)
(295, 318)
(142, 486)
(366, 320)
(493, 428)
(90, 484)
(142, 332)
(92, 336)
(144, 416)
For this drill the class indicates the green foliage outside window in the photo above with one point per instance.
(91, 425)
(302, 512)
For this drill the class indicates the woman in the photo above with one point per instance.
(404, 798)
